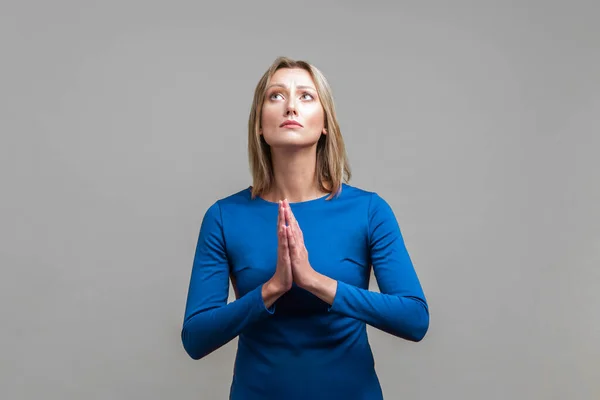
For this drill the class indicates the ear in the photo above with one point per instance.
(324, 131)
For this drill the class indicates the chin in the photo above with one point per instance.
(291, 141)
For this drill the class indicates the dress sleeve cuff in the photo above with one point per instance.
(339, 298)
(263, 307)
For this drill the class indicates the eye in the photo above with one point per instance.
(307, 96)
(273, 96)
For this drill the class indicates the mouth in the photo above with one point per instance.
(290, 123)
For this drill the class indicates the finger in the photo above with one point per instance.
(288, 219)
(296, 225)
(280, 219)
(286, 244)
(291, 238)
(293, 219)
(288, 209)
(284, 237)
(280, 235)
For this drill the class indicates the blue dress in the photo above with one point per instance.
(302, 347)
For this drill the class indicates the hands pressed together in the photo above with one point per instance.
(292, 262)
(292, 256)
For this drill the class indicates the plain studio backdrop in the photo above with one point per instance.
(121, 122)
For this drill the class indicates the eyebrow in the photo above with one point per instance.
(285, 87)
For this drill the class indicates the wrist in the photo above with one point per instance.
(271, 291)
(320, 285)
(310, 281)
(274, 288)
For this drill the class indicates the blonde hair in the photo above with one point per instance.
(332, 162)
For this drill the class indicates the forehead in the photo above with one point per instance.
(289, 76)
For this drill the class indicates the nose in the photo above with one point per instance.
(290, 107)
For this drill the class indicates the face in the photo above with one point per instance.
(292, 114)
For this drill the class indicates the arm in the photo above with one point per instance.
(209, 321)
(400, 308)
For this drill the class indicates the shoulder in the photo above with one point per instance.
(376, 207)
(227, 202)
(379, 217)
(238, 198)
(354, 193)
(369, 198)
(366, 202)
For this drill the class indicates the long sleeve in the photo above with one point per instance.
(210, 322)
(400, 308)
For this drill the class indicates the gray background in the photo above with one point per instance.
(121, 122)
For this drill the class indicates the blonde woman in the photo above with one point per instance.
(298, 246)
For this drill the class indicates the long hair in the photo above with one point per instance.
(332, 167)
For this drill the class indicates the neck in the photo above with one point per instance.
(295, 176)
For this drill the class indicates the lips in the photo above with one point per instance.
(290, 123)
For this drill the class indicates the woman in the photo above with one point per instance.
(298, 247)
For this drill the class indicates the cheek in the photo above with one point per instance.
(316, 116)
(269, 116)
